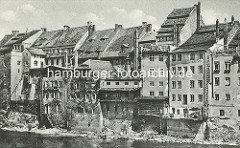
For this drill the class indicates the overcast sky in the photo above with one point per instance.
(52, 14)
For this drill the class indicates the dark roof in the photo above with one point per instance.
(235, 40)
(151, 48)
(16, 39)
(5, 39)
(203, 39)
(182, 12)
(171, 22)
(63, 37)
(125, 36)
(95, 43)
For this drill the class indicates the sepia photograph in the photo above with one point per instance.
(119, 74)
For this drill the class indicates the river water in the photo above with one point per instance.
(10, 139)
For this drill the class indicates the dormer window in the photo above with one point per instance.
(92, 39)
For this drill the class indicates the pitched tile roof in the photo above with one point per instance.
(37, 52)
(63, 37)
(171, 22)
(5, 39)
(98, 41)
(98, 65)
(203, 38)
(17, 39)
(182, 12)
(125, 36)
(149, 36)
(151, 48)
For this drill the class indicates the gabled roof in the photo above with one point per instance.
(151, 48)
(10, 40)
(148, 37)
(182, 12)
(97, 65)
(97, 42)
(63, 37)
(203, 39)
(5, 39)
(125, 36)
(37, 52)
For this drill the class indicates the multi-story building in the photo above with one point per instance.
(12, 47)
(190, 68)
(180, 25)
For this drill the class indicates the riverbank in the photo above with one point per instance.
(110, 136)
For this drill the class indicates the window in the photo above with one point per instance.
(228, 97)
(222, 113)
(178, 111)
(216, 66)
(173, 97)
(151, 83)
(57, 61)
(160, 93)
(179, 84)
(200, 69)
(160, 57)
(108, 83)
(238, 80)
(35, 63)
(116, 83)
(116, 108)
(200, 55)
(151, 93)
(126, 83)
(173, 110)
(227, 81)
(151, 57)
(179, 97)
(191, 83)
(160, 84)
(184, 99)
(238, 66)
(173, 84)
(26, 63)
(217, 81)
(200, 83)
(135, 83)
(179, 57)
(117, 94)
(192, 97)
(18, 62)
(216, 97)
(238, 113)
(227, 66)
(173, 57)
(192, 69)
(200, 98)
(192, 56)
(152, 72)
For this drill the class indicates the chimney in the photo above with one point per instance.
(44, 29)
(144, 24)
(91, 28)
(198, 6)
(136, 63)
(217, 30)
(225, 34)
(149, 27)
(66, 27)
(117, 27)
(175, 35)
(232, 19)
(15, 32)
